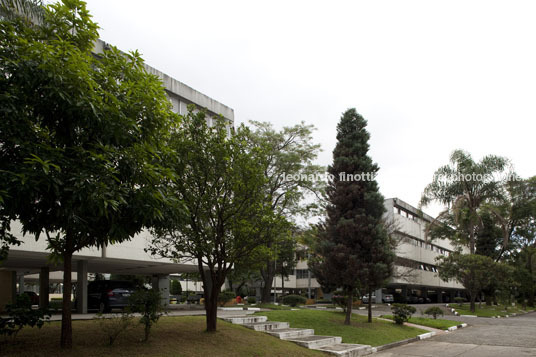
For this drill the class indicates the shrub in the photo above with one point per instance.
(175, 287)
(252, 299)
(434, 311)
(402, 312)
(148, 303)
(294, 300)
(113, 326)
(459, 300)
(323, 301)
(21, 314)
(225, 296)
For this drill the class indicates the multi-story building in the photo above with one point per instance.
(416, 273)
(30, 260)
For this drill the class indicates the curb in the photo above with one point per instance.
(396, 344)
(452, 328)
(426, 335)
(239, 308)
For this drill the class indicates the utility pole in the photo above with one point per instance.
(308, 276)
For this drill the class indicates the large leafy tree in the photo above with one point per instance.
(475, 272)
(80, 137)
(354, 249)
(292, 185)
(219, 186)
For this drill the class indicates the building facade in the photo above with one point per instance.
(416, 274)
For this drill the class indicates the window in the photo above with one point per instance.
(302, 274)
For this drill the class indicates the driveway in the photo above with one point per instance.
(486, 337)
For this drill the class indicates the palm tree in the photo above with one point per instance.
(29, 10)
(464, 186)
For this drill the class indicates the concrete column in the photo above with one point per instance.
(379, 296)
(81, 286)
(8, 285)
(21, 283)
(161, 284)
(44, 287)
(405, 294)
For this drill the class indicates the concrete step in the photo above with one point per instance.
(287, 333)
(346, 349)
(316, 341)
(241, 320)
(267, 326)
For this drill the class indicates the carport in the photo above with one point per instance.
(21, 263)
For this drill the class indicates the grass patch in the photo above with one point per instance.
(274, 307)
(171, 336)
(424, 321)
(486, 311)
(331, 323)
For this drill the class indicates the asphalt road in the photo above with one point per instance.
(486, 337)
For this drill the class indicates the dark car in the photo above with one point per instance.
(105, 295)
(413, 299)
(34, 298)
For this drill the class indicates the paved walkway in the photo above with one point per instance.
(486, 337)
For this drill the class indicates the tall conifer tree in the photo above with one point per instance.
(354, 251)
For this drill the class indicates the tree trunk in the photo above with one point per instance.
(268, 279)
(488, 298)
(471, 237)
(473, 299)
(349, 303)
(369, 306)
(211, 306)
(282, 285)
(66, 325)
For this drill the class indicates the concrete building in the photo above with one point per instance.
(415, 268)
(128, 258)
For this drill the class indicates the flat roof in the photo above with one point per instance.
(182, 90)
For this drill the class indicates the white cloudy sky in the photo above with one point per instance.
(429, 76)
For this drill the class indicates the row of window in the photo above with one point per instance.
(429, 246)
(303, 274)
(428, 267)
(407, 214)
(415, 265)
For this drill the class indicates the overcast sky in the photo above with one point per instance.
(429, 76)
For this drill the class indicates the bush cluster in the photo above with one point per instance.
(402, 312)
(294, 300)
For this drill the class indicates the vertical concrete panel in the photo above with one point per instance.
(379, 296)
(8, 281)
(44, 287)
(81, 287)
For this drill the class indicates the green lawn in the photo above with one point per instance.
(275, 307)
(486, 311)
(172, 336)
(424, 321)
(330, 323)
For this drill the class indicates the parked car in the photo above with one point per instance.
(388, 298)
(365, 299)
(34, 298)
(194, 298)
(413, 299)
(105, 295)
